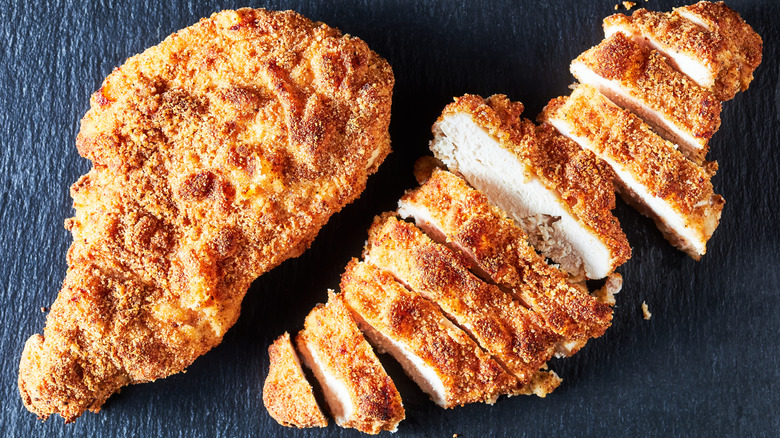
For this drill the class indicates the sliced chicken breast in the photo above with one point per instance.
(357, 389)
(652, 174)
(717, 53)
(513, 334)
(443, 360)
(639, 79)
(446, 206)
(287, 395)
(561, 195)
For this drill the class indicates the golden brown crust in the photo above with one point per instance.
(583, 183)
(346, 355)
(644, 75)
(217, 154)
(730, 50)
(287, 395)
(618, 136)
(466, 372)
(501, 251)
(504, 328)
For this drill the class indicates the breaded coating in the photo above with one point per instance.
(217, 154)
(561, 194)
(357, 389)
(652, 174)
(499, 250)
(511, 333)
(444, 361)
(708, 42)
(639, 79)
(287, 395)
(543, 383)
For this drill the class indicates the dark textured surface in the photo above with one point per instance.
(705, 364)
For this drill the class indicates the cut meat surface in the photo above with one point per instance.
(287, 395)
(707, 41)
(652, 174)
(446, 206)
(357, 389)
(443, 360)
(639, 79)
(559, 193)
(513, 334)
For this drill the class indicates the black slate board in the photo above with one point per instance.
(705, 364)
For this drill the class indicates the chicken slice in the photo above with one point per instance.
(445, 205)
(443, 360)
(652, 175)
(357, 389)
(708, 42)
(287, 395)
(511, 333)
(639, 79)
(561, 195)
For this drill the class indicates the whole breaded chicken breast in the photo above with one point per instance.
(216, 155)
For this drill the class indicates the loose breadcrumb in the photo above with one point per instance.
(629, 5)
(645, 311)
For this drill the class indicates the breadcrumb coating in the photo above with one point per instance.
(287, 395)
(217, 154)
(500, 250)
(465, 372)
(333, 337)
(674, 102)
(513, 334)
(727, 47)
(622, 139)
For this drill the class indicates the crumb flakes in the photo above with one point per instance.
(629, 5)
(645, 311)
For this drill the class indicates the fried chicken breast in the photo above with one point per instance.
(357, 389)
(217, 155)
(287, 395)
(446, 206)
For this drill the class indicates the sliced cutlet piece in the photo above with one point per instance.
(446, 206)
(287, 395)
(652, 175)
(443, 360)
(560, 194)
(745, 44)
(639, 79)
(721, 58)
(513, 334)
(357, 389)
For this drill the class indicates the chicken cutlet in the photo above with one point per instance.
(443, 360)
(357, 389)
(652, 174)
(514, 335)
(639, 79)
(287, 395)
(707, 41)
(446, 206)
(217, 154)
(560, 194)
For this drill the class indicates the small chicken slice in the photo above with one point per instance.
(502, 326)
(357, 389)
(639, 79)
(708, 42)
(287, 395)
(560, 194)
(652, 174)
(443, 360)
(446, 206)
